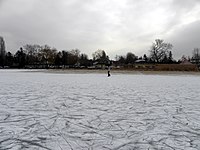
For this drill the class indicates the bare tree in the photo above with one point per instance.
(99, 54)
(47, 54)
(159, 50)
(73, 57)
(130, 58)
(196, 56)
(32, 53)
(101, 57)
(32, 49)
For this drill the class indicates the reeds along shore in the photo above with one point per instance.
(162, 67)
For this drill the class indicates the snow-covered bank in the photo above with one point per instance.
(44, 110)
(113, 71)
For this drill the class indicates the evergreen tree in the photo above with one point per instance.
(2, 52)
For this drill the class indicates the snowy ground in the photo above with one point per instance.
(90, 111)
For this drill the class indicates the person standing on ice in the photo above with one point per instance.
(108, 71)
(109, 65)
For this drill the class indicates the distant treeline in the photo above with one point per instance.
(37, 56)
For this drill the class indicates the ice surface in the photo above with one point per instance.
(91, 111)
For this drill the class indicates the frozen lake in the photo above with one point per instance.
(90, 111)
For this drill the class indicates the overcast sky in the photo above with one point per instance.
(117, 26)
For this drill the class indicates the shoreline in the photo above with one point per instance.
(134, 72)
(113, 71)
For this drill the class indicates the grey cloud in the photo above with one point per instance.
(185, 39)
(1, 2)
(180, 8)
(180, 5)
(52, 23)
(89, 25)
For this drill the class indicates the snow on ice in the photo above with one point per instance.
(90, 111)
